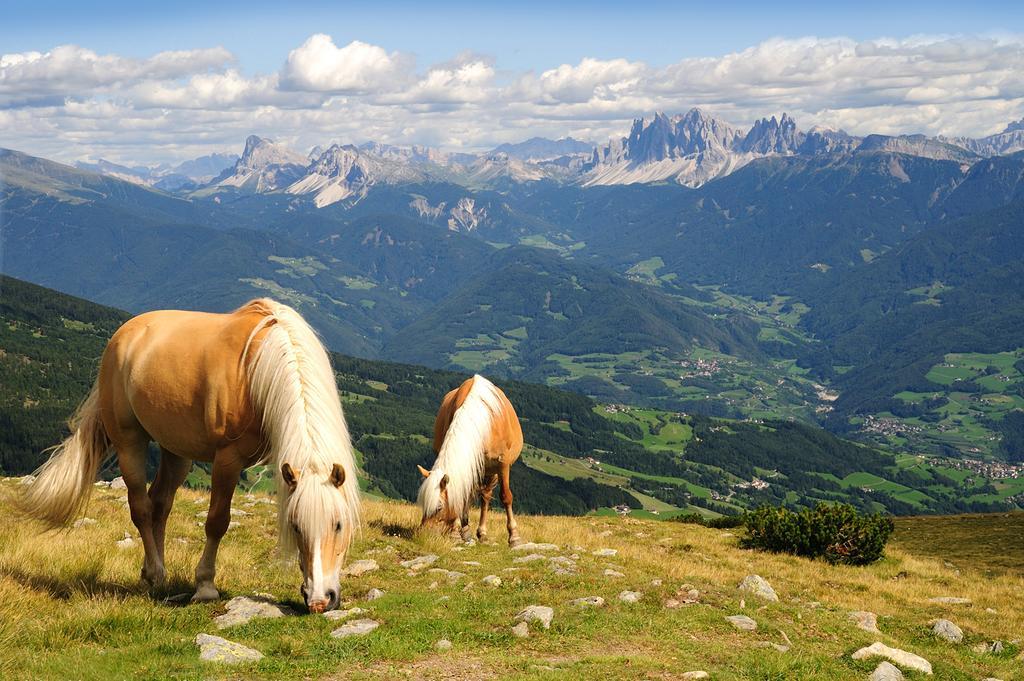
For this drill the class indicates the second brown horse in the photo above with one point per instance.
(477, 438)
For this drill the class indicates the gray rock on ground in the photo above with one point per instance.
(537, 613)
(868, 621)
(530, 558)
(588, 602)
(900, 657)
(373, 594)
(630, 596)
(359, 627)
(83, 522)
(419, 562)
(613, 573)
(605, 553)
(242, 609)
(443, 644)
(126, 543)
(693, 676)
(950, 600)
(758, 586)
(359, 567)
(451, 575)
(217, 649)
(742, 622)
(948, 631)
(491, 581)
(532, 546)
(886, 671)
(521, 630)
(335, 615)
(118, 483)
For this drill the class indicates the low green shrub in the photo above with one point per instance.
(722, 522)
(835, 532)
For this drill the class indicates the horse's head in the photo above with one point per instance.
(320, 524)
(433, 499)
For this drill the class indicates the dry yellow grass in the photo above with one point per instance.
(71, 605)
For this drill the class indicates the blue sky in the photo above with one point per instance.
(142, 82)
(522, 35)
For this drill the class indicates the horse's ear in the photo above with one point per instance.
(423, 471)
(337, 475)
(444, 481)
(289, 476)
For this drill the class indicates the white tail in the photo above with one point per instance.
(62, 485)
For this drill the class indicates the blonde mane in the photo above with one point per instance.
(462, 454)
(293, 389)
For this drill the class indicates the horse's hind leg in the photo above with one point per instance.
(486, 494)
(131, 457)
(506, 500)
(172, 472)
(226, 470)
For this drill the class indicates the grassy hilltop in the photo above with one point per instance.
(71, 605)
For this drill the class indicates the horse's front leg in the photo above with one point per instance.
(486, 494)
(226, 470)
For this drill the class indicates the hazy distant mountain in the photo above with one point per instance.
(543, 149)
(185, 175)
(917, 145)
(263, 166)
(1009, 141)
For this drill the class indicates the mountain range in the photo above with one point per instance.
(690, 149)
(810, 275)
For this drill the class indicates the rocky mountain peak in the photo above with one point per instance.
(773, 136)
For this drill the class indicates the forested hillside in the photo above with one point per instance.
(580, 455)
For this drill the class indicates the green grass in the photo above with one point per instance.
(68, 610)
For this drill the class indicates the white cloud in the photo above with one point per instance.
(318, 65)
(70, 101)
(72, 71)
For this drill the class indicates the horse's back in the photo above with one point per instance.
(181, 376)
(506, 440)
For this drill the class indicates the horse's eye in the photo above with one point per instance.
(295, 528)
(337, 528)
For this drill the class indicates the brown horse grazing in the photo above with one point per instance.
(477, 438)
(233, 390)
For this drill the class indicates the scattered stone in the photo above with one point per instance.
(238, 512)
(948, 631)
(868, 621)
(102, 483)
(742, 622)
(355, 628)
(630, 596)
(530, 558)
(360, 567)
(451, 575)
(657, 582)
(992, 611)
(373, 594)
(335, 615)
(531, 546)
(886, 671)
(605, 553)
(900, 657)
(126, 543)
(950, 600)
(537, 613)
(419, 562)
(443, 644)
(613, 573)
(588, 602)
(217, 649)
(472, 563)
(118, 483)
(693, 676)
(605, 533)
(755, 585)
(83, 522)
(521, 630)
(774, 646)
(242, 609)
(492, 581)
